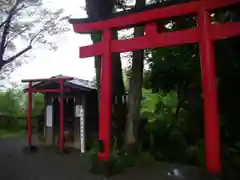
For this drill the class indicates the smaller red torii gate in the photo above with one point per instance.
(205, 34)
(60, 90)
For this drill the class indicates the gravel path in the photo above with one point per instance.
(43, 165)
(46, 164)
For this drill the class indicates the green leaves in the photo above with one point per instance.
(9, 103)
(14, 103)
(171, 67)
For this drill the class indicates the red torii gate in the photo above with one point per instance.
(60, 90)
(204, 34)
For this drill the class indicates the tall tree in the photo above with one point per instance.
(100, 9)
(135, 90)
(25, 20)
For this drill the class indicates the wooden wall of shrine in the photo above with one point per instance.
(80, 119)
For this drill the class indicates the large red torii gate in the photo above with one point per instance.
(204, 34)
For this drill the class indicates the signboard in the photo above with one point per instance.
(80, 113)
(77, 111)
(49, 115)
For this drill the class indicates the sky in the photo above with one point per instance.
(44, 63)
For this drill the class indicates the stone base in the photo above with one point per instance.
(49, 135)
(77, 145)
(30, 149)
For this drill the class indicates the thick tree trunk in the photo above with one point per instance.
(98, 9)
(119, 106)
(96, 37)
(135, 92)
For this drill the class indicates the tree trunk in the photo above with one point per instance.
(98, 9)
(119, 106)
(135, 91)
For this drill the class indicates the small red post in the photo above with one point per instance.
(61, 116)
(30, 113)
(106, 95)
(209, 85)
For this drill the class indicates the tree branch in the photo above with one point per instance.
(13, 37)
(6, 29)
(13, 12)
(3, 23)
(21, 7)
(24, 50)
(34, 37)
(18, 54)
(120, 4)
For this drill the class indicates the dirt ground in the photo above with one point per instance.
(46, 164)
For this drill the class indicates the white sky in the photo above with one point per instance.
(45, 63)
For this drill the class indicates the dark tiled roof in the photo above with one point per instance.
(80, 82)
(74, 83)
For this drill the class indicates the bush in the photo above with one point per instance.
(145, 159)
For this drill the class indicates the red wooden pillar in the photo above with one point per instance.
(212, 139)
(151, 29)
(30, 113)
(61, 116)
(106, 95)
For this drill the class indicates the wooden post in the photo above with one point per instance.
(77, 142)
(30, 113)
(106, 95)
(61, 116)
(212, 137)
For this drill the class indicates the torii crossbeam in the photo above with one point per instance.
(205, 34)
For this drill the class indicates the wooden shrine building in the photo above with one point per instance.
(70, 111)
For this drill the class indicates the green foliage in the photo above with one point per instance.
(11, 102)
(149, 104)
(119, 160)
(145, 159)
(200, 153)
(6, 134)
(166, 131)
(37, 104)
(172, 68)
(13, 108)
(176, 125)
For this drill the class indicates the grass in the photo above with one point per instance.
(6, 133)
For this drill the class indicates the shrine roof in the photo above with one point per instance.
(128, 12)
(74, 83)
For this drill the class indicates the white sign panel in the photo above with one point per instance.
(49, 116)
(77, 111)
(82, 129)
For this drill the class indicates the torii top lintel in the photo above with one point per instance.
(147, 14)
(148, 17)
